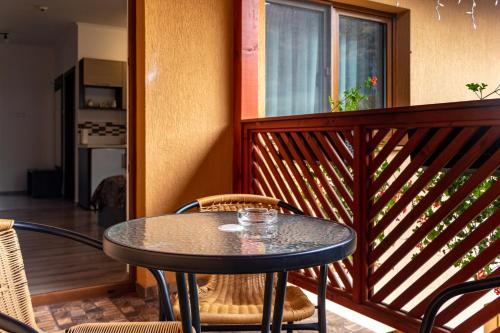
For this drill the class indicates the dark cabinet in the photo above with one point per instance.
(103, 84)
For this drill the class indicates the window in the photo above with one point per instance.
(314, 51)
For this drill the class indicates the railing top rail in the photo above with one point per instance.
(470, 113)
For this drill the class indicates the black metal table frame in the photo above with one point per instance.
(190, 315)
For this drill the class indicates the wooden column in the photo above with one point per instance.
(246, 72)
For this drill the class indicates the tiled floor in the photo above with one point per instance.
(132, 308)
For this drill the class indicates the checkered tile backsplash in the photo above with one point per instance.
(103, 129)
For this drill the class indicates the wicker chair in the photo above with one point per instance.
(16, 312)
(238, 299)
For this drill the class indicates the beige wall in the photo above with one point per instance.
(189, 101)
(27, 117)
(445, 55)
(102, 42)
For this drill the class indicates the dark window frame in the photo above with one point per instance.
(337, 10)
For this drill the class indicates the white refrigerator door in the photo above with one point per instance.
(106, 162)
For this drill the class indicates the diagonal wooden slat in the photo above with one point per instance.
(386, 150)
(376, 139)
(257, 186)
(444, 237)
(345, 216)
(348, 265)
(265, 186)
(496, 330)
(331, 277)
(273, 172)
(343, 276)
(336, 159)
(284, 171)
(444, 263)
(460, 304)
(408, 173)
(448, 206)
(463, 275)
(309, 182)
(474, 152)
(314, 146)
(340, 146)
(259, 165)
(296, 174)
(480, 318)
(398, 160)
(348, 135)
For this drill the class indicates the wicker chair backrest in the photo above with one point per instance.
(15, 299)
(233, 202)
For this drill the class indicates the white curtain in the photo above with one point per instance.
(362, 54)
(295, 64)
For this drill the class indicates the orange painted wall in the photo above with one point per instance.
(188, 51)
(189, 101)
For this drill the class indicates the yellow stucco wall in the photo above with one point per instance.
(189, 101)
(445, 55)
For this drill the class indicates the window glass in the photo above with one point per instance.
(297, 58)
(362, 54)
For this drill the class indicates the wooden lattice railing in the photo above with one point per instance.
(418, 184)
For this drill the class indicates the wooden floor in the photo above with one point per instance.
(52, 263)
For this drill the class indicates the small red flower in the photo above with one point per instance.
(374, 80)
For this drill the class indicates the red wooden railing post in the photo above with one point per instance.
(360, 290)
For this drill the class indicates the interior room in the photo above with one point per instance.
(63, 124)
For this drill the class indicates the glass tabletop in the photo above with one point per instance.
(201, 234)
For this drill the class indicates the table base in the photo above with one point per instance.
(190, 315)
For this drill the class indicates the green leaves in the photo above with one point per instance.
(475, 87)
(353, 97)
(479, 88)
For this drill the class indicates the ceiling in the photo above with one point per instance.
(26, 24)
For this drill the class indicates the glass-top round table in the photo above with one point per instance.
(201, 243)
(195, 243)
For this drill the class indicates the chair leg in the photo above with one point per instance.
(166, 311)
(290, 330)
(322, 299)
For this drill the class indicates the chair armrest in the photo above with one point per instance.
(458, 289)
(60, 232)
(166, 311)
(9, 324)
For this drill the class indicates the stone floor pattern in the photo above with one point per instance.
(131, 308)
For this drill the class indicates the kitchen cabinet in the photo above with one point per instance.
(103, 84)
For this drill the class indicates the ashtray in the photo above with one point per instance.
(257, 216)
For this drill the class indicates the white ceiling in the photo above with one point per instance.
(27, 25)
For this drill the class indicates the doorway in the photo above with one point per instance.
(59, 127)
(68, 131)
